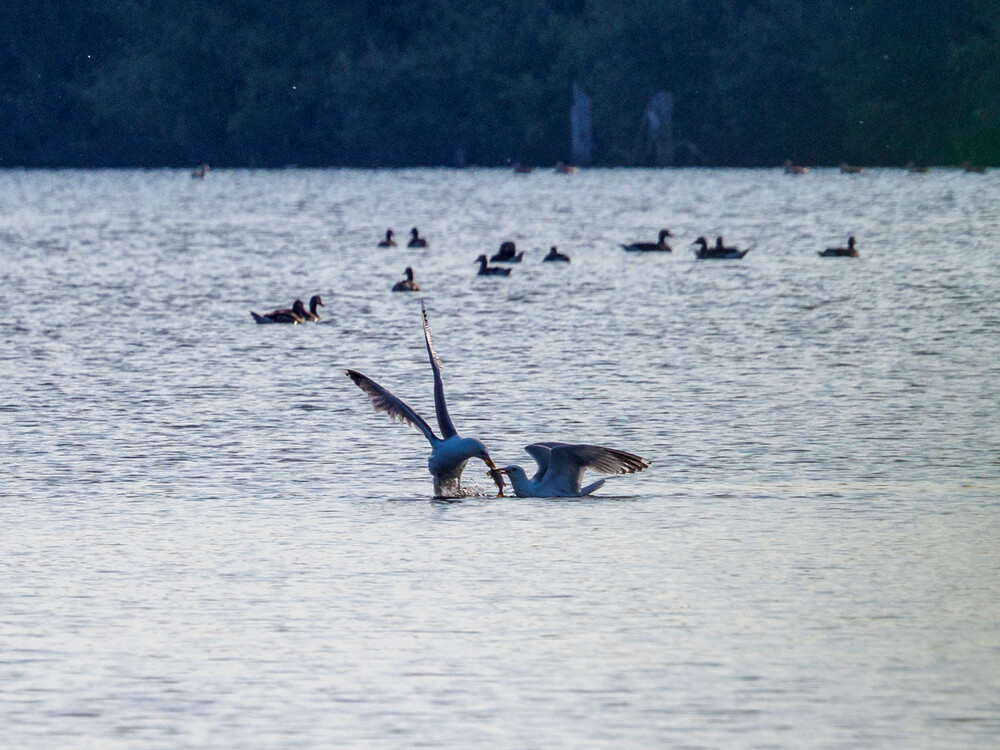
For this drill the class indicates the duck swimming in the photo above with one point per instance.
(407, 284)
(296, 314)
(314, 302)
(555, 255)
(791, 168)
(719, 252)
(841, 252)
(486, 270)
(644, 247)
(416, 240)
(507, 254)
(388, 241)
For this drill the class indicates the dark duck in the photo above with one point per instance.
(555, 256)
(415, 239)
(389, 240)
(507, 254)
(314, 302)
(644, 247)
(486, 270)
(407, 284)
(297, 313)
(851, 251)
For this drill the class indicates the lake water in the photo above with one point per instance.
(209, 539)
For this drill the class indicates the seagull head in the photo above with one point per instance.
(516, 473)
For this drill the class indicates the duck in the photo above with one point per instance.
(643, 247)
(416, 240)
(842, 252)
(971, 168)
(555, 255)
(486, 270)
(407, 284)
(507, 254)
(850, 169)
(200, 173)
(791, 168)
(314, 302)
(388, 241)
(564, 168)
(914, 168)
(296, 314)
(522, 168)
(719, 252)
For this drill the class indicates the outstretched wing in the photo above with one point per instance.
(384, 401)
(567, 463)
(440, 407)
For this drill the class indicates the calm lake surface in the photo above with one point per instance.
(209, 539)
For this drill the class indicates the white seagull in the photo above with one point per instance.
(561, 468)
(451, 451)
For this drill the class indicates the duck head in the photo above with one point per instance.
(408, 273)
(664, 233)
(299, 308)
(482, 259)
(701, 241)
(314, 302)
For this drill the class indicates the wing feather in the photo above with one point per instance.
(570, 462)
(440, 406)
(602, 460)
(384, 401)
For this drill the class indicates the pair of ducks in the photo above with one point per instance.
(508, 254)
(415, 239)
(719, 251)
(297, 313)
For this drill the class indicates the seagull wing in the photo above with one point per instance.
(542, 453)
(568, 463)
(440, 407)
(384, 401)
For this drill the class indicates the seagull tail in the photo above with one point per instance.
(591, 487)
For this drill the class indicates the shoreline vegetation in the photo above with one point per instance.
(728, 83)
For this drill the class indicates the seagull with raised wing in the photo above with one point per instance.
(451, 451)
(561, 467)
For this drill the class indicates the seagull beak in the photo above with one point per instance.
(489, 462)
(504, 472)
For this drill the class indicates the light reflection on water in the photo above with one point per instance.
(210, 539)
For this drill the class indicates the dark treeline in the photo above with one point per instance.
(415, 82)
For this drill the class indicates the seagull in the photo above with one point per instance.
(451, 451)
(561, 467)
